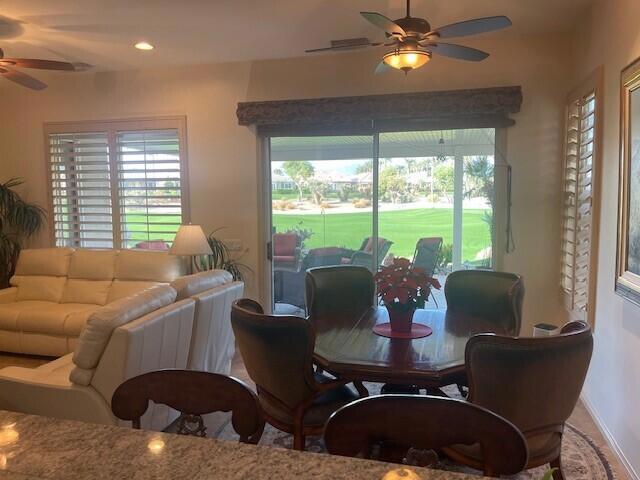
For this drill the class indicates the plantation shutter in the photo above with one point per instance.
(117, 184)
(578, 213)
(81, 189)
(149, 186)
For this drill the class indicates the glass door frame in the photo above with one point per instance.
(265, 224)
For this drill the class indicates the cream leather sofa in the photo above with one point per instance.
(134, 335)
(55, 290)
(133, 313)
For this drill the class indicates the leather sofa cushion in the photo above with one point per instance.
(44, 261)
(55, 319)
(100, 325)
(91, 264)
(124, 288)
(86, 291)
(189, 285)
(39, 287)
(9, 312)
(147, 266)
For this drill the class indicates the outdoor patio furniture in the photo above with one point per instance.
(363, 257)
(289, 284)
(426, 256)
(153, 245)
(286, 251)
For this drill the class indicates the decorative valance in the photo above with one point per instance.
(472, 108)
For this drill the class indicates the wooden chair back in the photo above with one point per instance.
(193, 394)
(391, 424)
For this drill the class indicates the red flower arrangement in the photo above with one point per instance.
(403, 287)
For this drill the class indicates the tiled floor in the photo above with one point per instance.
(580, 418)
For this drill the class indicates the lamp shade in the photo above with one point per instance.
(190, 240)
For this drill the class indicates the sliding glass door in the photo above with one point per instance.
(363, 200)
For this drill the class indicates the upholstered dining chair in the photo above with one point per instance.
(494, 296)
(533, 382)
(385, 427)
(193, 394)
(346, 290)
(278, 354)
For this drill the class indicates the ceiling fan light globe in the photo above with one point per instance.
(406, 60)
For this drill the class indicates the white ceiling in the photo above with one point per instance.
(101, 32)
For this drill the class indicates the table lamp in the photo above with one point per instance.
(190, 241)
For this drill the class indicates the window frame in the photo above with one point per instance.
(112, 127)
(593, 85)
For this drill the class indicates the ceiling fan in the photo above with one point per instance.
(8, 70)
(414, 41)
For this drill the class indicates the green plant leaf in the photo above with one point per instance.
(18, 220)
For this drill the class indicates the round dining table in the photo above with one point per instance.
(348, 348)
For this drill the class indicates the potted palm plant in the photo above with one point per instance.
(19, 220)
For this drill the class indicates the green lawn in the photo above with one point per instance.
(138, 231)
(402, 227)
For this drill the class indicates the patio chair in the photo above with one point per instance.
(289, 284)
(426, 256)
(153, 245)
(286, 251)
(363, 257)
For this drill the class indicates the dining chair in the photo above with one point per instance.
(277, 351)
(193, 394)
(533, 382)
(385, 427)
(493, 296)
(344, 290)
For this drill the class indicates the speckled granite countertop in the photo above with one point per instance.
(33, 447)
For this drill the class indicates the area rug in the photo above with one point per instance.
(581, 458)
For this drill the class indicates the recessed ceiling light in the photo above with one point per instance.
(144, 46)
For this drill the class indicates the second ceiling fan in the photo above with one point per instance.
(414, 41)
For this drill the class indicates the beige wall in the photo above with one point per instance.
(610, 36)
(222, 156)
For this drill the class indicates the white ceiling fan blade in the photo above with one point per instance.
(384, 23)
(472, 27)
(457, 51)
(381, 68)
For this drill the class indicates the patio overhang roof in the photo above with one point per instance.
(419, 144)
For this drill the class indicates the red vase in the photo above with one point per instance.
(401, 320)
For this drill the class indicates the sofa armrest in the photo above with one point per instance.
(8, 295)
(212, 342)
(48, 391)
(154, 341)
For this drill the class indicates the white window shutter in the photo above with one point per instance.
(118, 185)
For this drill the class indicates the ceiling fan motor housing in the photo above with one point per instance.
(414, 26)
